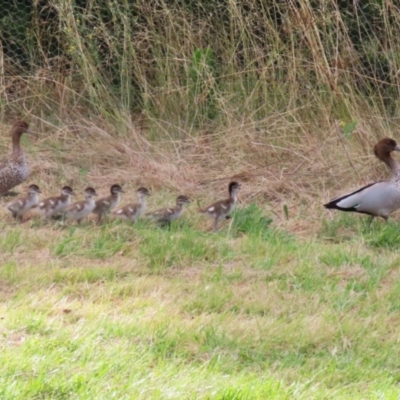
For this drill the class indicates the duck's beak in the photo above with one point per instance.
(33, 134)
(397, 148)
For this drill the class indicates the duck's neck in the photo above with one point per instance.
(89, 200)
(142, 201)
(116, 198)
(233, 196)
(16, 142)
(33, 198)
(66, 198)
(393, 165)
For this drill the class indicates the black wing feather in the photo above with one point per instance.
(333, 204)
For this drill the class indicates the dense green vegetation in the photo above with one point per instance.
(193, 62)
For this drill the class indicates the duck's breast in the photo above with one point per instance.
(13, 173)
(20, 167)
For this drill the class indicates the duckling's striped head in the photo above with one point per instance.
(90, 192)
(142, 191)
(67, 191)
(384, 147)
(116, 189)
(32, 189)
(182, 200)
(233, 187)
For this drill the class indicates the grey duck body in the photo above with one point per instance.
(14, 170)
(378, 199)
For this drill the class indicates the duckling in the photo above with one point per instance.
(19, 207)
(222, 208)
(377, 199)
(105, 204)
(81, 209)
(165, 216)
(53, 206)
(14, 170)
(131, 212)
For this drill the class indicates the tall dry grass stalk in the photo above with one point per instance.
(188, 97)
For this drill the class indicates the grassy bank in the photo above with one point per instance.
(249, 312)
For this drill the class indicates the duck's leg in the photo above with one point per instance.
(215, 227)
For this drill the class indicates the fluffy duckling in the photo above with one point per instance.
(19, 207)
(131, 212)
(168, 214)
(53, 206)
(81, 209)
(222, 208)
(14, 170)
(105, 204)
(377, 199)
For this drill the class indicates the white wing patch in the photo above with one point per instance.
(210, 209)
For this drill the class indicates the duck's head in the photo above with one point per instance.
(182, 200)
(20, 127)
(33, 189)
(116, 189)
(90, 192)
(384, 147)
(234, 187)
(67, 191)
(142, 191)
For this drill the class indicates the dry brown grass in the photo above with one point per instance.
(276, 129)
(278, 163)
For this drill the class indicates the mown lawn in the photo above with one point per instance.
(250, 312)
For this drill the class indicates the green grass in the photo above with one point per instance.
(250, 312)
